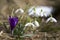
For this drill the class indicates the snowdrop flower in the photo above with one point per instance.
(36, 23)
(1, 33)
(28, 24)
(34, 11)
(19, 10)
(45, 11)
(51, 19)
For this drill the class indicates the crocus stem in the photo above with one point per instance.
(12, 12)
(21, 17)
(51, 15)
(12, 32)
(45, 35)
(35, 19)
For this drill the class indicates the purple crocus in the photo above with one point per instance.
(13, 21)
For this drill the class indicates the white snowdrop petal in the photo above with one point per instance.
(22, 11)
(41, 14)
(1, 32)
(54, 20)
(36, 24)
(29, 24)
(51, 19)
(33, 12)
(38, 12)
(48, 20)
(46, 14)
(19, 10)
(47, 10)
(16, 10)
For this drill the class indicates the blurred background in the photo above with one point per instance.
(7, 5)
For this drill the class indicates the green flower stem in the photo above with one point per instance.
(21, 17)
(11, 32)
(35, 18)
(51, 15)
(43, 19)
(12, 12)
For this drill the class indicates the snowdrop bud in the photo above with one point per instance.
(51, 19)
(19, 10)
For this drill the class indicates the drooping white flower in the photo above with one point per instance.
(29, 24)
(45, 11)
(1, 33)
(34, 11)
(51, 19)
(36, 23)
(42, 11)
(19, 10)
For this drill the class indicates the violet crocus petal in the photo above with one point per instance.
(13, 21)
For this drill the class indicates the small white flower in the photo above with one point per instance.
(36, 23)
(51, 19)
(28, 24)
(42, 11)
(34, 11)
(1, 33)
(19, 10)
(45, 11)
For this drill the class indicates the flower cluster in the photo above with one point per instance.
(34, 25)
(40, 11)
